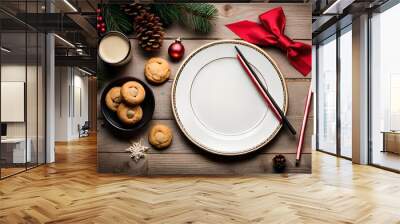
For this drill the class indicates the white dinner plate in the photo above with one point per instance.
(217, 106)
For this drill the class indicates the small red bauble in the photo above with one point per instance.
(99, 18)
(98, 26)
(98, 11)
(103, 29)
(103, 25)
(176, 50)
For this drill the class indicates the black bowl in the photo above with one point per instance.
(111, 117)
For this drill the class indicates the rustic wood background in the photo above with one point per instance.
(183, 157)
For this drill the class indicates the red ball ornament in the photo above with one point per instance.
(176, 50)
(99, 18)
(103, 25)
(98, 26)
(98, 11)
(103, 29)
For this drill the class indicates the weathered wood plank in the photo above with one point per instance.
(160, 164)
(136, 65)
(298, 20)
(284, 142)
(298, 91)
(192, 164)
(120, 163)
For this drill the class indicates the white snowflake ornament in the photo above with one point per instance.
(137, 150)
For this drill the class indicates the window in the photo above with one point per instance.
(326, 136)
(346, 92)
(335, 74)
(22, 75)
(385, 89)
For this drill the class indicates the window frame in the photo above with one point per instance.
(28, 29)
(338, 33)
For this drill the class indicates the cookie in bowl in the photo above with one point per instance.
(113, 98)
(160, 136)
(129, 115)
(133, 92)
(157, 70)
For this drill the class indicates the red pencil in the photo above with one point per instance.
(279, 114)
(303, 126)
(260, 90)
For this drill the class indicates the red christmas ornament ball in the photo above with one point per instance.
(98, 11)
(176, 50)
(99, 18)
(98, 26)
(103, 29)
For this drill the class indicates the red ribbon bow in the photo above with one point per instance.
(271, 33)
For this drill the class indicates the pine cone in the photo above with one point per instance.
(134, 9)
(148, 28)
(279, 163)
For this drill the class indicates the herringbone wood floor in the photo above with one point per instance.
(71, 191)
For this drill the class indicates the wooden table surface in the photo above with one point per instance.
(183, 157)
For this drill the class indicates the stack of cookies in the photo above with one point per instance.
(125, 101)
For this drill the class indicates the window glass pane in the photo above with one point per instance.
(15, 149)
(22, 87)
(385, 84)
(327, 96)
(345, 93)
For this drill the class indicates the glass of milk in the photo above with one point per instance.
(115, 48)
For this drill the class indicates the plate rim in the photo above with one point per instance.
(173, 97)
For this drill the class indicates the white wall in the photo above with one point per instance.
(70, 83)
(61, 104)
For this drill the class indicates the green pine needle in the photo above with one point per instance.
(115, 19)
(168, 13)
(197, 16)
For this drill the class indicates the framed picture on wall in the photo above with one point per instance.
(12, 101)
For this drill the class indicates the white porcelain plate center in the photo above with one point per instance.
(226, 98)
(217, 106)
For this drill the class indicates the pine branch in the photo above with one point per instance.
(116, 20)
(168, 13)
(197, 16)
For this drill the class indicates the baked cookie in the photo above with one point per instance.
(133, 92)
(160, 136)
(157, 70)
(129, 115)
(113, 98)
